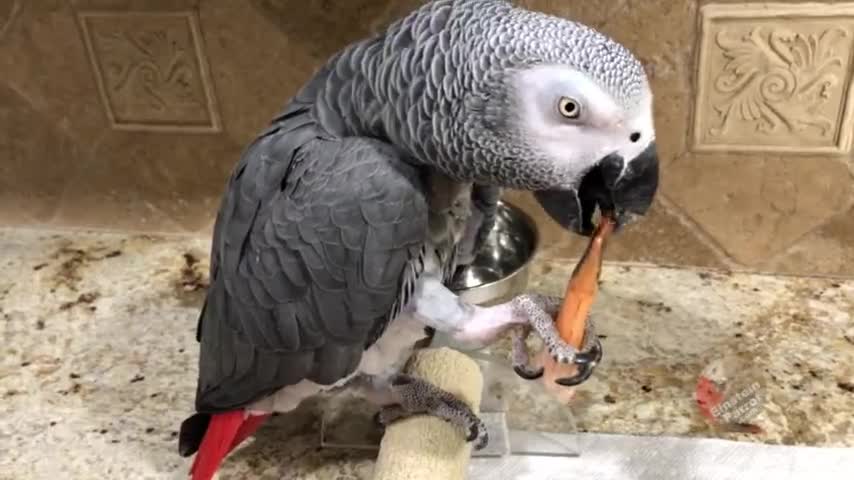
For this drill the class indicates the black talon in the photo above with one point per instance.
(472, 433)
(592, 356)
(584, 373)
(528, 374)
(484, 440)
(586, 362)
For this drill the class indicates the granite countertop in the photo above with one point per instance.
(98, 363)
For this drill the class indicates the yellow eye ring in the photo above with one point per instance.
(569, 107)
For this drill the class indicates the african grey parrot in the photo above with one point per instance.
(344, 221)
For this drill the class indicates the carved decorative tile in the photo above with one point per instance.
(775, 77)
(151, 71)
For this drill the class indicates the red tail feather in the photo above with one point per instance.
(225, 432)
(249, 426)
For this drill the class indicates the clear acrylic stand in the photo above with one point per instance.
(521, 417)
(533, 422)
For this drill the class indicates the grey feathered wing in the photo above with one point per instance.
(316, 247)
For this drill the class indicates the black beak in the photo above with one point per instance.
(627, 194)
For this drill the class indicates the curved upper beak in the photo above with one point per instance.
(625, 189)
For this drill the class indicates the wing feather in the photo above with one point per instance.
(315, 249)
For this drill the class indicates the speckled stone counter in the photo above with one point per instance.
(98, 359)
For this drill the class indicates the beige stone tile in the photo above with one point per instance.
(8, 12)
(828, 250)
(262, 54)
(150, 181)
(35, 161)
(43, 58)
(118, 6)
(755, 207)
(254, 67)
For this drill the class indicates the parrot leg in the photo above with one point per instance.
(415, 396)
(476, 326)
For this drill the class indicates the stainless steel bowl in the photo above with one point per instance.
(500, 271)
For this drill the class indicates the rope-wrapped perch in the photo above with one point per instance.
(424, 447)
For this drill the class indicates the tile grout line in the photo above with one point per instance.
(699, 232)
(776, 257)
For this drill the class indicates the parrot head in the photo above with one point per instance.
(562, 110)
(603, 152)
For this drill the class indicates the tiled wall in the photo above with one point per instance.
(129, 114)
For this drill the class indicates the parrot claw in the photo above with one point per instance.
(417, 396)
(539, 311)
(586, 362)
(527, 372)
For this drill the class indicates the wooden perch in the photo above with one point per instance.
(425, 447)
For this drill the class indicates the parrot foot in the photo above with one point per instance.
(417, 396)
(539, 311)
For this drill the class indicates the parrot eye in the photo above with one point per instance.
(569, 107)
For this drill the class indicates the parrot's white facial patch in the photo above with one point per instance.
(641, 122)
(601, 127)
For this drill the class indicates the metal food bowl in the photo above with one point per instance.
(501, 268)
